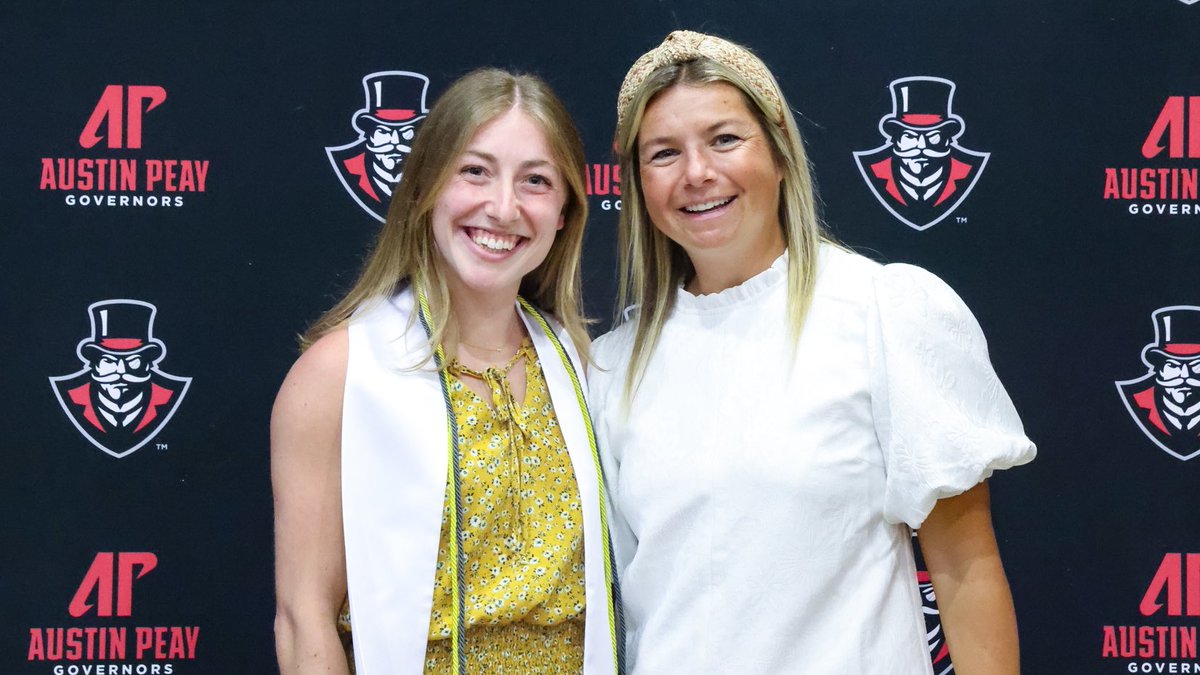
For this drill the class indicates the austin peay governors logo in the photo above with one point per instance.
(921, 174)
(105, 596)
(120, 400)
(1165, 402)
(604, 181)
(113, 175)
(1163, 637)
(371, 165)
(1165, 188)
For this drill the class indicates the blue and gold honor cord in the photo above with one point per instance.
(457, 560)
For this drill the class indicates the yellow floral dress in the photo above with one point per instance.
(522, 533)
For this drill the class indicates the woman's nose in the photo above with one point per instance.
(698, 167)
(504, 203)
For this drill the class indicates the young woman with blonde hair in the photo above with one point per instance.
(432, 457)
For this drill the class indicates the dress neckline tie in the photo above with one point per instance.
(507, 410)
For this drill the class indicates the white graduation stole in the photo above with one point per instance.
(396, 454)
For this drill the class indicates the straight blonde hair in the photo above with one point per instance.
(404, 254)
(652, 266)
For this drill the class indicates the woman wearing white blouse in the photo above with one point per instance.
(777, 412)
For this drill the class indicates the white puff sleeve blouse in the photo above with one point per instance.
(943, 419)
(763, 492)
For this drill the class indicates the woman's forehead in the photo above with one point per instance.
(709, 103)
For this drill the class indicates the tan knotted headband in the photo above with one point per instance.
(685, 45)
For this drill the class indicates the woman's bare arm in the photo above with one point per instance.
(310, 558)
(972, 592)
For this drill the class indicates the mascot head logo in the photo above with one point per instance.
(921, 174)
(1165, 402)
(371, 165)
(120, 399)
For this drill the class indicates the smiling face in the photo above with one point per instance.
(499, 211)
(710, 182)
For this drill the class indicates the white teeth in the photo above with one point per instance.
(494, 243)
(707, 206)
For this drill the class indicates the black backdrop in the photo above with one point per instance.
(1063, 279)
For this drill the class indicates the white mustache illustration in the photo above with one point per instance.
(924, 152)
(1179, 381)
(122, 377)
(389, 148)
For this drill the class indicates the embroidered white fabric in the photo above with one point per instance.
(762, 513)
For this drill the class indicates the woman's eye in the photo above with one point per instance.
(472, 170)
(662, 154)
(726, 139)
(537, 183)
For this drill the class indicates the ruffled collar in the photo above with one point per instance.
(749, 289)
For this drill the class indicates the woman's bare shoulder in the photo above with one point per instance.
(310, 399)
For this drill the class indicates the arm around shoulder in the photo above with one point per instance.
(310, 559)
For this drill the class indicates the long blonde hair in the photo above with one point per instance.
(404, 252)
(652, 266)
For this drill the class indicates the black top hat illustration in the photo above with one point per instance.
(921, 104)
(1176, 335)
(121, 328)
(394, 98)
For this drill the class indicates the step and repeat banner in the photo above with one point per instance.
(184, 189)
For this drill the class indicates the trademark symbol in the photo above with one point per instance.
(161, 446)
(961, 220)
